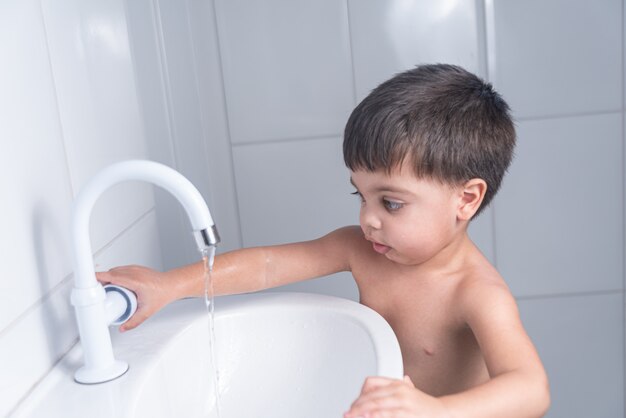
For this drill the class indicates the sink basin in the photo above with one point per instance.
(278, 355)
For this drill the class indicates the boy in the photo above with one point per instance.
(427, 151)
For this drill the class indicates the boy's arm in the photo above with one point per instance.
(240, 271)
(518, 385)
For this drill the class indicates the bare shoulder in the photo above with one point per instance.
(342, 245)
(352, 243)
(482, 294)
(344, 239)
(349, 233)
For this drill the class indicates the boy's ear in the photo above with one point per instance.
(472, 195)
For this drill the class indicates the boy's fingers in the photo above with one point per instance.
(134, 321)
(374, 382)
(385, 397)
(103, 277)
(106, 277)
(378, 407)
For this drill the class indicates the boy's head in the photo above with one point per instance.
(446, 122)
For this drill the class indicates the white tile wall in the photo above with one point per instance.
(97, 102)
(287, 68)
(33, 173)
(392, 36)
(580, 341)
(293, 191)
(68, 107)
(559, 57)
(559, 218)
(296, 191)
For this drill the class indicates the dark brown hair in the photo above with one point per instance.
(450, 124)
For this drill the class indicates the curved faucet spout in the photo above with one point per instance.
(88, 295)
(167, 178)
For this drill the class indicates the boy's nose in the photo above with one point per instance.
(369, 220)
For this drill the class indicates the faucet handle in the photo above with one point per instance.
(120, 304)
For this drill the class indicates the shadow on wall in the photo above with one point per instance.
(57, 315)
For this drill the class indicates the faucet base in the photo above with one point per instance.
(90, 376)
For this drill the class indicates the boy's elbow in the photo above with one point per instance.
(543, 396)
(547, 399)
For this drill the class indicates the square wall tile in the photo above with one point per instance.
(559, 215)
(558, 57)
(138, 245)
(389, 37)
(287, 68)
(293, 191)
(89, 53)
(580, 340)
(35, 185)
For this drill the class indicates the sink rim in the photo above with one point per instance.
(144, 347)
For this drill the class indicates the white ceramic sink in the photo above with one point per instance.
(278, 354)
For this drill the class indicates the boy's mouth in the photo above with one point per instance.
(380, 248)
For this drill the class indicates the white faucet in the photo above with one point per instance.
(96, 308)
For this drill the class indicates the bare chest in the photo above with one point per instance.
(439, 351)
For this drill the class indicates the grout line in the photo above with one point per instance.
(485, 9)
(164, 73)
(481, 29)
(167, 95)
(35, 305)
(58, 107)
(351, 46)
(568, 115)
(570, 294)
(196, 80)
(43, 298)
(30, 390)
(490, 40)
(229, 137)
(623, 209)
(287, 140)
(123, 232)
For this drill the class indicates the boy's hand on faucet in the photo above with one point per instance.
(390, 398)
(150, 286)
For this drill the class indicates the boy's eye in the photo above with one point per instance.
(391, 205)
(356, 193)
